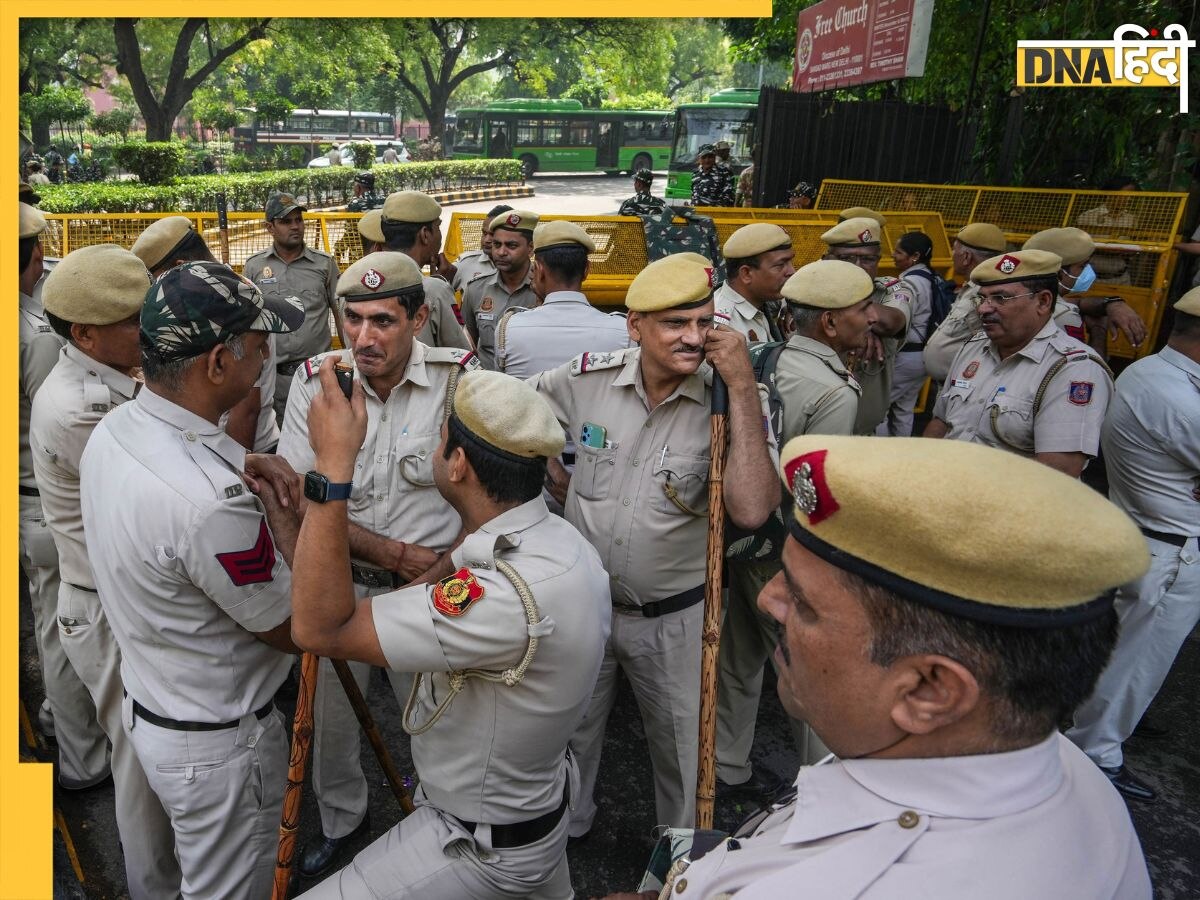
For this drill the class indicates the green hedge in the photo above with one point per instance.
(247, 191)
(154, 162)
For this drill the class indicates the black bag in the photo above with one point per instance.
(943, 297)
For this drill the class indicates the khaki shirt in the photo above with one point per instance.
(184, 562)
(76, 395)
(990, 402)
(743, 316)
(484, 302)
(498, 753)
(874, 377)
(39, 347)
(651, 547)
(470, 266)
(394, 495)
(442, 328)
(312, 277)
(819, 394)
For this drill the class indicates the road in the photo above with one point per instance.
(585, 195)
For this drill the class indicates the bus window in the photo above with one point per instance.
(467, 137)
(525, 133)
(554, 132)
(581, 134)
(707, 126)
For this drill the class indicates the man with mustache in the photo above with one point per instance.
(487, 297)
(639, 494)
(1023, 384)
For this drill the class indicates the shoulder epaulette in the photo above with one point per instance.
(310, 366)
(886, 281)
(465, 359)
(595, 362)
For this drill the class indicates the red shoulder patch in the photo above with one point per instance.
(453, 596)
(1076, 331)
(253, 565)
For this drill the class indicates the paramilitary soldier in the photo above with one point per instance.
(712, 185)
(365, 195)
(642, 203)
(640, 419)
(509, 640)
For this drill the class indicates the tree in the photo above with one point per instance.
(65, 105)
(160, 104)
(59, 52)
(699, 58)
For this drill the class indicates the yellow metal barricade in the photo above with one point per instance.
(1134, 231)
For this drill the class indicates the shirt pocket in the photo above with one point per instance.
(1009, 420)
(414, 459)
(594, 468)
(680, 484)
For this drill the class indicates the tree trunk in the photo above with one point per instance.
(39, 133)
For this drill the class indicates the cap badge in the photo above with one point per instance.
(971, 369)
(1008, 264)
(372, 280)
(804, 492)
(512, 219)
(810, 490)
(865, 236)
(453, 596)
(286, 199)
(711, 275)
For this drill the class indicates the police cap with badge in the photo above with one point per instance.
(1020, 265)
(854, 232)
(378, 276)
(680, 281)
(519, 220)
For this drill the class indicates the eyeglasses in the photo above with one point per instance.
(859, 260)
(1001, 300)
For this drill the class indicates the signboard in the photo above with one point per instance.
(840, 43)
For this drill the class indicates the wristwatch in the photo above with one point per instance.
(320, 489)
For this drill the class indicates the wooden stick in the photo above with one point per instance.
(367, 721)
(302, 730)
(223, 226)
(706, 775)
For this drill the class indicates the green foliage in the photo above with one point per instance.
(55, 103)
(248, 191)
(116, 121)
(644, 100)
(364, 154)
(154, 162)
(271, 107)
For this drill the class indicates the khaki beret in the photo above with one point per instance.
(1016, 266)
(694, 257)
(155, 245)
(560, 232)
(1189, 303)
(33, 222)
(856, 232)
(370, 226)
(507, 415)
(413, 207)
(380, 275)
(862, 212)
(1023, 569)
(516, 220)
(673, 281)
(96, 285)
(828, 284)
(982, 236)
(1074, 245)
(755, 238)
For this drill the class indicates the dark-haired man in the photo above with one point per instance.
(510, 639)
(486, 298)
(365, 196)
(642, 203)
(758, 258)
(474, 263)
(712, 185)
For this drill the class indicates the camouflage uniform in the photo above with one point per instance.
(643, 203)
(712, 188)
(369, 200)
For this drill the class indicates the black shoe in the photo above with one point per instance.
(761, 785)
(1147, 729)
(319, 858)
(1129, 785)
(78, 787)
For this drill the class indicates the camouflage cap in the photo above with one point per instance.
(722, 145)
(197, 305)
(280, 205)
(643, 175)
(367, 179)
(803, 189)
(706, 149)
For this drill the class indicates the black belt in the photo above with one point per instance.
(520, 834)
(176, 725)
(1177, 540)
(682, 600)
(568, 459)
(288, 368)
(374, 578)
(28, 491)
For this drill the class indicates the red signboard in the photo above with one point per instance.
(840, 43)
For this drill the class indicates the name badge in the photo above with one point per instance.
(962, 383)
(485, 317)
(268, 280)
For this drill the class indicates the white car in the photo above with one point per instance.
(347, 153)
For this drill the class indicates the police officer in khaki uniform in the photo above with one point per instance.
(485, 299)
(473, 263)
(190, 579)
(1023, 384)
(399, 524)
(856, 240)
(832, 310)
(370, 229)
(640, 420)
(509, 640)
(93, 298)
(412, 225)
(862, 212)
(758, 260)
(293, 269)
(68, 712)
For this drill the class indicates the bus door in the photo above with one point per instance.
(608, 132)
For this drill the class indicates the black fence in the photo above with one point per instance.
(809, 137)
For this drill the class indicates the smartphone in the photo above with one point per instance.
(593, 435)
(345, 377)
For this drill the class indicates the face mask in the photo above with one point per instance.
(1083, 280)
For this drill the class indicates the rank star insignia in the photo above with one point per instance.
(1008, 264)
(371, 280)
(453, 596)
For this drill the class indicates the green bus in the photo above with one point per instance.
(727, 115)
(563, 136)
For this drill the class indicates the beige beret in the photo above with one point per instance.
(1074, 245)
(694, 257)
(560, 232)
(379, 275)
(982, 236)
(413, 207)
(755, 238)
(516, 220)
(155, 245)
(862, 212)
(828, 284)
(33, 222)
(1189, 303)
(370, 226)
(856, 232)
(1016, 266)
(673, 281)
(508, 415)
(96, 285)
(1023, 569)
